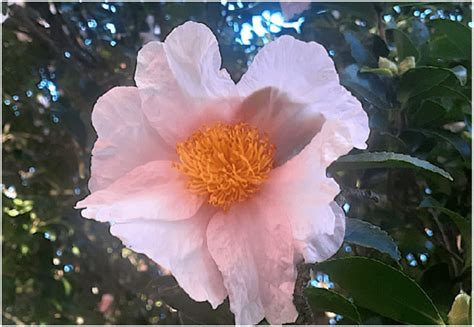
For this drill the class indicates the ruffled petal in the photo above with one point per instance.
(253, 248)
(180, 246)
(306, 194)
(289, 125)
(121, 125)
(305, 73)
(179, 78)
(303, 70)
(322, 245)
(193, 56)
(348, 111)
(155, 190)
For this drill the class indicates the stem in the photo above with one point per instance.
(305, 314)
(446, 243)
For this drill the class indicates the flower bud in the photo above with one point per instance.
(459, 313)
(407, 64)
(388, 64)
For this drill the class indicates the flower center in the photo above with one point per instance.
(226, 162)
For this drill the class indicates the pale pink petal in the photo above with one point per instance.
(303, 70)
(301, 187)
(333, 141)
(176, 120)
(322, 245)
(305, 73)
(179, 246)
(253, 248)
(289, 125)
(155, 190)
(153, 69)
(178, 79)
(348, 112)
(125, 137)
(193, 56)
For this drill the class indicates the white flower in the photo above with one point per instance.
(225, 184)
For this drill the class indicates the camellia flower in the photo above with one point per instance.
(225, 184)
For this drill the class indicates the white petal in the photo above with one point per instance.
(180, 79)
(348, 111)
(306, 194)
(177, 119)
(181, 247)
(320, 245)
(302, 70)
(125, 137)
(193, 56)
(253, 248)
(306, 74)
(155, 190)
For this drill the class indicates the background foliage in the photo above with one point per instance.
(408, 196)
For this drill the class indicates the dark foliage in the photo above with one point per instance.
(413, 182)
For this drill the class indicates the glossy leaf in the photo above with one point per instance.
(382, 289)
(454, 41)
(321, 299)
(405, 47)
(429, 113)
(365, 234)
(364, 86)
(443, 92)
(421, 79)
(386, 160)
(461, 145)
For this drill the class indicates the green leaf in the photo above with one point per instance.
(386, 160)
(383, 289)
(364, 86)
(365, 234)
(421, 79)
(444, 92)
(378, 71)
(321, 299)
(384, 141)
(405, 47)
(444, 48)
(460, 313)
(428, 113)
(461, 145)
(451, 39)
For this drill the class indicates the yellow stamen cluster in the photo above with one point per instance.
(226, 162)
